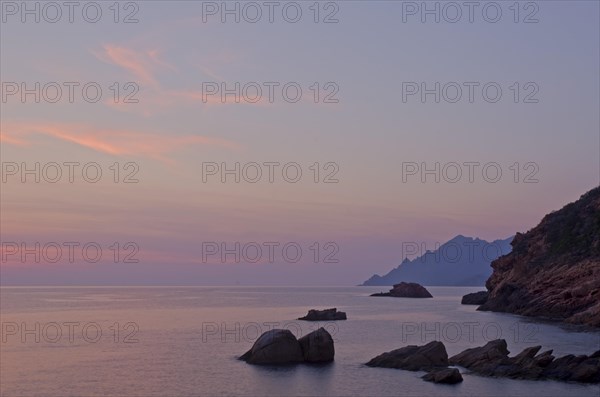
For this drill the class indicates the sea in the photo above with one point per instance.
(185, 341)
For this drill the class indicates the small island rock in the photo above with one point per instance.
(324, 315)
(280, 346)
(407, 290)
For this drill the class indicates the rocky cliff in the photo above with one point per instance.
(553, 270)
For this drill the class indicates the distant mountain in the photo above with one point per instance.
(462, 261)
(553, 270)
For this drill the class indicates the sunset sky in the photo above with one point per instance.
(174, 52)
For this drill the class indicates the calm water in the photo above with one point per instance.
(183, 341)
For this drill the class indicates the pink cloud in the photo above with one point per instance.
(141, 64)
(12, 140)
(113, 142)
(144, 65)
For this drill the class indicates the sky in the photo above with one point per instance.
(306, 143)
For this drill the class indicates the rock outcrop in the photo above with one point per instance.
(324, 315)
(277, 346)
(413, 358)
(447, 375)
(317, 347)
(479, 356)
(280, 346)
(476, 298)
(493, 360)
(407, 290)
(553, 270)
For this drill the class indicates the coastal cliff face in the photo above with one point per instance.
(553, 270)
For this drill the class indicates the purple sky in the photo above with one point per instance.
(345, 171)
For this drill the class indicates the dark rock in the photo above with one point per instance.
(544, 359)
(493, 360)
(277, 346)
(480, 356)
(413, 358)
(407, 290)
(447, 375)
(324, 315)
(526, 355)
(476, 298)
(317, 347)
(575, 368)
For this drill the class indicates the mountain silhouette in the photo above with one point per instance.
(462, 261)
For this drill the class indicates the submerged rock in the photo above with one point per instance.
(407, 290)
(324, 315)
(413, 358)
